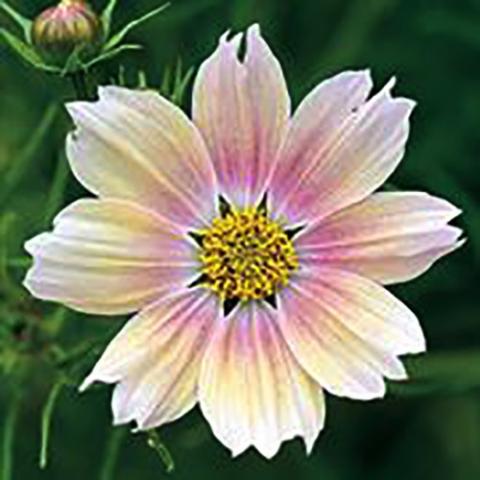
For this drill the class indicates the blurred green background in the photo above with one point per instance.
(429, 428)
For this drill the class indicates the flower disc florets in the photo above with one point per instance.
(247, 256)
(71, 25)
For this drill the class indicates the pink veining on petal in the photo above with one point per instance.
(109, 257)
(347, 331)
(355, 153)
(242, 109)
(252, 391)
(319, 115)
(155, 359)
(135, 145)
(390, 237)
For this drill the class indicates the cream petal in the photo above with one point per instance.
(251, 389)
(351, 155)
(390, 237)
(242, 109)
(155, 359)
(109, 257)
(135, 145)
(347, 331)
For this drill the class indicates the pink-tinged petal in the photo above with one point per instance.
(316, 120)
(109, 257)
(347, 331)
(242, 109)
(390, 237)
(349, 157)
(135, 145)
(155, 360)
(252, 390)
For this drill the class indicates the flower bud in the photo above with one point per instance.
(71, 25)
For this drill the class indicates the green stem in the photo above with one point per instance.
(9, 438)
(112, 452)
(79, 81)
(46, 421)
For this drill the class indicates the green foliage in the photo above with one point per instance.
(450, 373)
(25, 51)
(14, 175)
(174, 86)
(107, 16)
(24, 23)
(116, 39)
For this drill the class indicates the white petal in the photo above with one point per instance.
(108, 257)
(252, 391)
(136, 145)
(390, 237)
(155, 360)
(345, 162)
(347, 331)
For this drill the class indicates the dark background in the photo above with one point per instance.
(427, 429)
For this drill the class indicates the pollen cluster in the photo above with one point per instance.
(246, 256)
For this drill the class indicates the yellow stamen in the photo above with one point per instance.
(246, 255)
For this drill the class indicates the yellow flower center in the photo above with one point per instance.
(246, 256)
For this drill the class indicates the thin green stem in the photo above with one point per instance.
(112, 452)
(47, 420)
(9, 438)
(80, 85)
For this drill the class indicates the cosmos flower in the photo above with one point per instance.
(251, 242)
